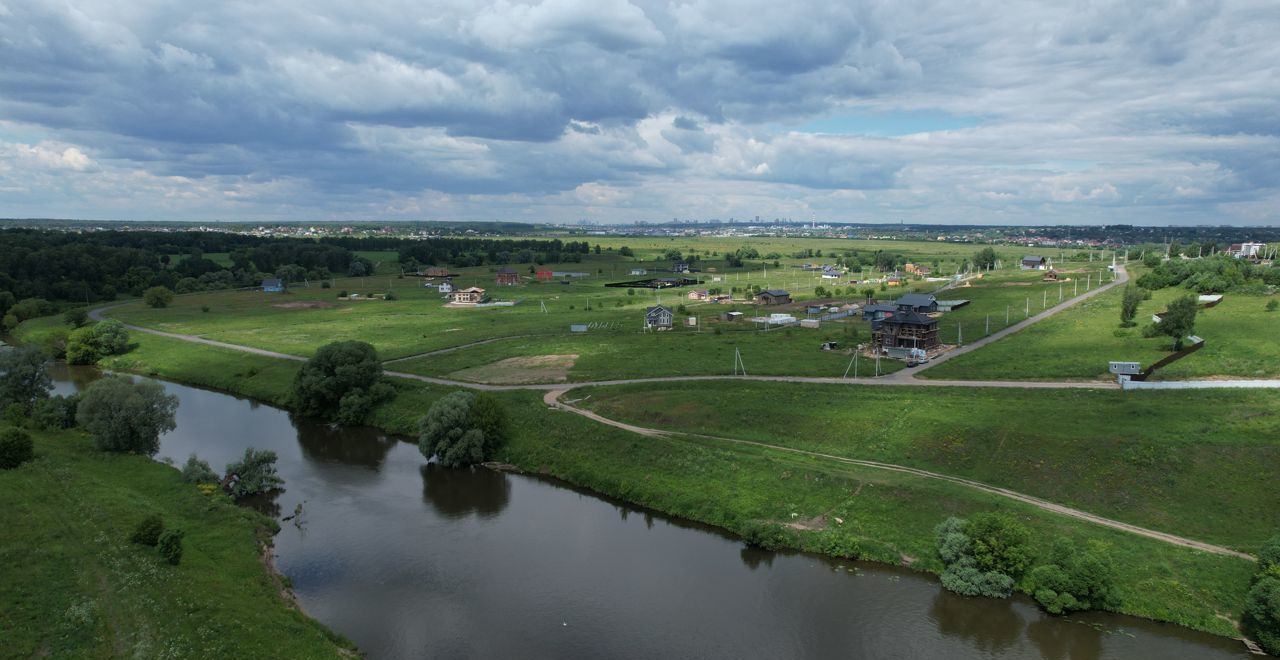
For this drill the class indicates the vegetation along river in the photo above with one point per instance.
(409, 561)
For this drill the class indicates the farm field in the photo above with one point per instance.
(71, 584)
(1241, 338)
(1190, 463)
(887, 516)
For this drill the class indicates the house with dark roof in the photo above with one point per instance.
(273, 285)
(907, 330)
(876, 312)
(773, 297)
(1034, 262)
(680, 266)
(924, 303)
(657, 318)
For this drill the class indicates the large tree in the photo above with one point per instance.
(462, 429)
(125, 416)
(1179, 321)
(985, 259)
(1129, 305)
(23, 377)
(342, 382)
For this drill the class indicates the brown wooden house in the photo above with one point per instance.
(904, 329)
(773, 297)
(506, 276)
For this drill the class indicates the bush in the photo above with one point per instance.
(342, 382)
(16, 448)
(768, 536)
(1000, 543)
(88, 344)
(157, 297)
(204, 308)
(75, 317)
(1262, 614)
(1273, 305)
(254, 474)
(170, 545)
(462, 429)
(389, 296)
(959, 553)
(148, 530)
(125, 416)
(196, 471)
(325, 284)
(1074, 579)
(15, 414)
(57, 412)
(23, 377)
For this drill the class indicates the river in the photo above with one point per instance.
(409, 560)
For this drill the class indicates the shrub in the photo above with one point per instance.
(325, 284)
(23, 377)
(15, 414)
(1074, 579)
(389, 296)
(1273, 305)
(1000, 543)
(75, 317)
(57, 412)
(342, 293)
(462, 429)
(204, 308)
(254, 474)
(170, 545)
(148, 530)
(836, 544)
(1262, 614)
(16, 448)
(196, 471)
(769, 536)
(958, 551)
(157, 297)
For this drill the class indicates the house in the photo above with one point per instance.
(773, 297)
(639, 271)
(1034, 262)
(894, 279)
(273, 285)
(913, 269)
(657, 318)
(875, 313)
(437, 271)
(446, 287)
(809, 323)
(1050, 275)
(907, 330)
(469, 296)
(506, 276)
(731, 316)
(1245, 250)
(924, 303)
(698, 294)
(544, 275)
(680, 266)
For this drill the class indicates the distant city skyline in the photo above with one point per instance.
(1142, 113)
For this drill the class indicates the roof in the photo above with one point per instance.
(917, 299)
(1033, 257)
(777, 293)
(656, 309)
(473, 289)
(910, 318)
(506, 271)
(271, 282)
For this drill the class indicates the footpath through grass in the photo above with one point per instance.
(1197, 464)
(71, 584)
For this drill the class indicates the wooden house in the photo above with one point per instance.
(437, 271)
(507, 277)
(1034, 262)
(544, 275)
(925, 303)
(698, 294)
(907, 330)
(773, 297)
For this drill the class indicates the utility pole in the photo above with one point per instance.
(1006, 316)
(988, 331)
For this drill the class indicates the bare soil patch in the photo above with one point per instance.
(520, 370)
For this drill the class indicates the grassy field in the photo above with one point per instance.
(1190, 463)
(71, 585)
(888, 517)
(1240, 341)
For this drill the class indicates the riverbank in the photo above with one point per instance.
(834, 509)
(71, 584)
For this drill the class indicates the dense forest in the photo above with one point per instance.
(41, 270)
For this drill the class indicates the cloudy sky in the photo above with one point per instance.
(1144, 112)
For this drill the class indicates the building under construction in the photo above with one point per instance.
(906, 329)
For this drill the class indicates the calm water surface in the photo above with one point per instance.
(412, 561)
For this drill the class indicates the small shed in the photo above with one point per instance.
(810, 323)
(691, 321)
(830, 345)
(544, 275)
(731, 316)
(1050, 275)
(639, 271)
(578, 327)
(273, 285)
(507, 277)
(698, 294)
(658, 317)
(1034, 262)
(773, 297)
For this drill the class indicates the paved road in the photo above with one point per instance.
(552, 398)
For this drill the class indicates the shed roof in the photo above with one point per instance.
(917, 299)
(1032, 257)
(774, 292)
(910, 318)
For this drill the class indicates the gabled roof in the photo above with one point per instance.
(506, 271)
(1033, 257)
(271, 282)
(473, 289)
(917, 299)
(777, 293)
(910, 318)
(649, 311)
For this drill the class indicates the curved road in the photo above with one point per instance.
(555, 390)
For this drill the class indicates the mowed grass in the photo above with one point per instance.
(71, 584)
(1242, 340)
(1198, 464)
(889, 517)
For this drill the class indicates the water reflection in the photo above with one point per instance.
(1065, 639)
(328, 443)
(754, 557)
(459, 492)
(986, 623)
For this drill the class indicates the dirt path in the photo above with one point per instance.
(459, 347)
(552, 398)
